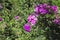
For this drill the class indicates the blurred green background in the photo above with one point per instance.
(12, 29)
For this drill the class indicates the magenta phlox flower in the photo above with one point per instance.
(0, 19)
(32, 19)
(56, 21)
(26, 27)
(16, 17)
(54, 8)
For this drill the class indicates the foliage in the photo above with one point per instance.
(12, 29)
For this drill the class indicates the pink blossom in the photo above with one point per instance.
(54, 8)
(42, 11)
(36, 9)
(26, 27)
(32, 19)
(0, 19)
(16, 17)
(56, 21)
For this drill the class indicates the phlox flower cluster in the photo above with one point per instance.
(39, 9)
